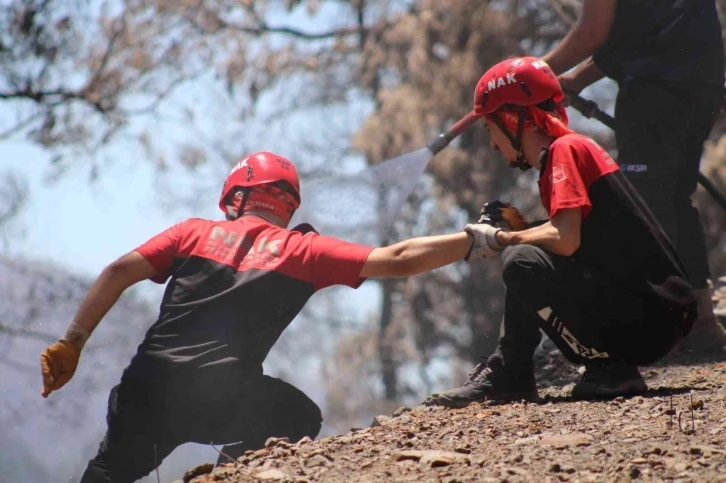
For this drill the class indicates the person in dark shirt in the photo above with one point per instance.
(232, 287)
(668, 61)
(599, 277)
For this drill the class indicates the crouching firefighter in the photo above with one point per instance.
(599, 277)
(233, 287)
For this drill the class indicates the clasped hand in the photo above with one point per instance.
(495, 216)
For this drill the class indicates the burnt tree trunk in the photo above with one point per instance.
(386, 346)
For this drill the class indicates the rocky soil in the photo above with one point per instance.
(676, 432)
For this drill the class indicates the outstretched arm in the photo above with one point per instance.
(59, 361)
(589, 34)
(416, 255)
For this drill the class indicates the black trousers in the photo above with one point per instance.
(585, 314)
(660, 128)
(146, 420)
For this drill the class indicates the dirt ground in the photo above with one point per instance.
(676, 432)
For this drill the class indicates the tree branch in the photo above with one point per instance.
(95, 78)
(53, 97)
(14, 193)
(20, 125)
(264, 28)
(562, 9)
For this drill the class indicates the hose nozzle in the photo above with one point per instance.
(446, 137)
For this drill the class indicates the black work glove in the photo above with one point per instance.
(502, 215)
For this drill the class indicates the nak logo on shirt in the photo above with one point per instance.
(230, 240)
(228, 245)
(225, 245)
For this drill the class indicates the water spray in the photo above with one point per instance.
(391, 181)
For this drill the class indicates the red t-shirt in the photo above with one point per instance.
(619, 237)
(234, 286)
(574, 163)
(252, 243)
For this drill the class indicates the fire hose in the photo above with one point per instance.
(591, 110)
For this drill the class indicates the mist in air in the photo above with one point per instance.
(367, 201)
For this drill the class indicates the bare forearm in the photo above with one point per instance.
(574, 48)
(428, 253)
(416, 255)
(589, 34)
(585, 75)
(104, 293)
(545, 236)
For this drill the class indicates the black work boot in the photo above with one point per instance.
(605, 379)
(489, 380)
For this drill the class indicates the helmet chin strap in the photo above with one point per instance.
(516, 140)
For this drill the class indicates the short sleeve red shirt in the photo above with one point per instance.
(233, 287)
(621, 242)
(161, 250)
(321, 260)
(573, 164)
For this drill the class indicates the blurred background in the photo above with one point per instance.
(120, 118)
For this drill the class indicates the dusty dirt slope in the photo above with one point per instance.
(677, 432)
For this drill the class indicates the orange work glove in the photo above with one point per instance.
(58, 364)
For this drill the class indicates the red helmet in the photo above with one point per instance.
(262, 168)
(520, 81)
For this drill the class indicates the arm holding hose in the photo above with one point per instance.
(583, 76)
(589, 33)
